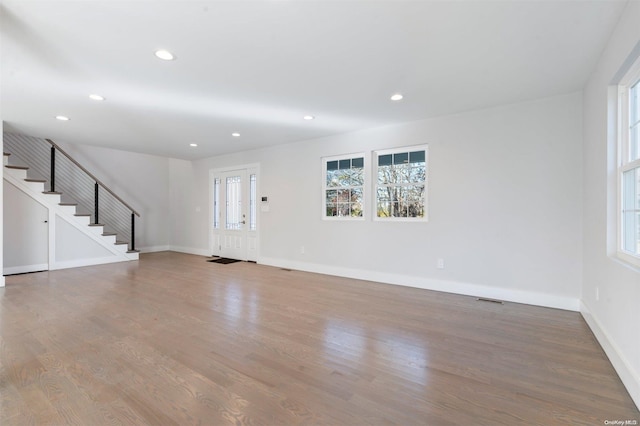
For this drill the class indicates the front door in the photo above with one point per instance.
(234, 211)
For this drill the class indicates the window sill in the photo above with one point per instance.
(347, 218)
(630, 261)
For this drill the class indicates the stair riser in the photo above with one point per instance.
(36, 186)
(84, 220)
(68, 209)
(111, 239)
(98, 230)
(17, 173)
(53, 198)
(123, 248)
(133, 256)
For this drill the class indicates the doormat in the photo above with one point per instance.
(223, 260)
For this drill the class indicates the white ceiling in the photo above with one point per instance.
(257, 67)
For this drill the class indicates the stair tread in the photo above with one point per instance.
(67, 204)
(52, 192)
(9, 166)
(82, 214)
(121, 242)
(6, 154)
(35, 180)
(133, 251)
(108, 234)
(96, 224)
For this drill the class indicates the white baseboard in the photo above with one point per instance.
(153, 249)
(78, 263)
(190, 250)
(468, 289)
(25, 269)
(629, 376)
(1, 281)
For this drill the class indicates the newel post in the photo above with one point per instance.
(95, 202)
(52, 180)
(133, 232)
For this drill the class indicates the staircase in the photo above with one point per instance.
(95, 245)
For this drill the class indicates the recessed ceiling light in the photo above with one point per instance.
(235, 134)
(165, 55)
(62, 118)
(396, 97)
(96, 97)
(193, 144)
(308, 117)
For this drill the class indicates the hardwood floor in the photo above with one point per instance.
(173, 339)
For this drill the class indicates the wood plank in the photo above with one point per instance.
(173, 339)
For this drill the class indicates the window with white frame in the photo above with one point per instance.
(401, 183)
(629, 166)
(343, 187)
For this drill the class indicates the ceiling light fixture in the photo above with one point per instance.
(165, 55)
(62, 118)
(396, 97)
(235, 134)
(96, 97)
(308, 117)
(193, 144)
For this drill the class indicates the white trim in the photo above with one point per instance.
(1, 281)
(624, 163)
(77, 263)
(153, 249)
(629, 377)
(456, 287)
(24, 269)
(628, 258)
(632, 75)
(190, 250)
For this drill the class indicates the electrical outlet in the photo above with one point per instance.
(440, 263)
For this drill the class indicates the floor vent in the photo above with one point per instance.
(484, 299)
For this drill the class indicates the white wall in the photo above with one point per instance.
(615, 315)
(504, 205)
(1, 200)
(139, 179)
(1, 179)
(186, 206)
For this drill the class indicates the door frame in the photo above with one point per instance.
(213, 173)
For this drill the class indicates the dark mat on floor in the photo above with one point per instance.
(223, 260)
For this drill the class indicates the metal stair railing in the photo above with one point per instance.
(77, 185)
